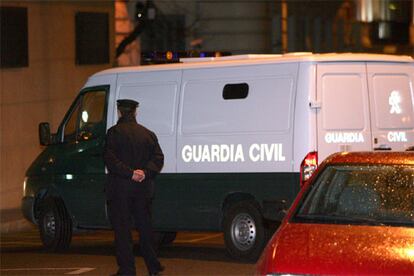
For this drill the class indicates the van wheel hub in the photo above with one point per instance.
(243, 231)
(49, 224)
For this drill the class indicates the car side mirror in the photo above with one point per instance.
(44, 134)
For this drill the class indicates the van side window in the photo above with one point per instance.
(70, 127)
(235, 91)
(87, 120)
(91, 123)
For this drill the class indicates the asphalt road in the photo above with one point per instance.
(91, 253)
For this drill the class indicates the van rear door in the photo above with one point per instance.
(390, 87)
(343, 116)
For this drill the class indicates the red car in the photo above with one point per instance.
(355, 216)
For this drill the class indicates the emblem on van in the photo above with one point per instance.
(394, 100)
(233, 153)
(344, 137)
(397, 136)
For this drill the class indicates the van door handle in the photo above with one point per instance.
(383, 147)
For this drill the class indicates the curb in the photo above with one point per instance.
(16, 226)
(12, 220)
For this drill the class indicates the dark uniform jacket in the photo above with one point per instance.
(130, 146)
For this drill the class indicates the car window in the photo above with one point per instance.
(379, 194)
(91, 123)
(71, 125)
(87, 120)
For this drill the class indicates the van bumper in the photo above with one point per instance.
(27, 207)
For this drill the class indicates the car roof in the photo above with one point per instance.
(400, 158)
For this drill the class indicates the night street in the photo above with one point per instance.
(255, 137)
(92, 254)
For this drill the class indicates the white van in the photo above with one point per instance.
(239, 135)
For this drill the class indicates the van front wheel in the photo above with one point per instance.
(55, 225)
(244, 232)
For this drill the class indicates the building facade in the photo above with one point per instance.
(48, 50)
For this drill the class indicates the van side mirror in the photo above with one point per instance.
(44, 134)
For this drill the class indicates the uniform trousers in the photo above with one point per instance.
(122, 209)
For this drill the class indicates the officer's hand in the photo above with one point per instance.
(138, 176)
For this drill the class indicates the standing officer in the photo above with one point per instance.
(133, 158)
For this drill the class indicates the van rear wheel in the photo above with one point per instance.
(55, 225)
(244, 232)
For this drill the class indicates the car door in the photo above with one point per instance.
(79, 169)
(343, 115)
(391, 92)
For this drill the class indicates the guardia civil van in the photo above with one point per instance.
(239, 135)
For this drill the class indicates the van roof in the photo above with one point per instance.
(260, 59)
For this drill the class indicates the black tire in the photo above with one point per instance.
(55, 225)
(244, 231)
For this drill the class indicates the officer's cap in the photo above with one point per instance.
(127, 103)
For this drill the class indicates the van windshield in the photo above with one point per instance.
(361, 194)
